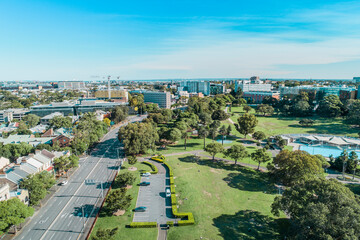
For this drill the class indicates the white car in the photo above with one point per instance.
(147, 174)
(168, 193)
(64, 183)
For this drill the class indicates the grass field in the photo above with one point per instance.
(290, 125)
(106, 221)
(228, 202)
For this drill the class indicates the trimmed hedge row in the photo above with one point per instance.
(170, 223)
(153, 167)
(171, 174)
(143, 225)
(159, 158)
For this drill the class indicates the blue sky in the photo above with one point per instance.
(84, 40)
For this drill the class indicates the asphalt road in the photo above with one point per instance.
(70, 212)
(153, 197)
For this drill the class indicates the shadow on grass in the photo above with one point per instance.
(178, 146)
(244, 178)
(247, 224)
(250, 180)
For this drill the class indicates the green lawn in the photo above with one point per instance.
(228, 202)
(105, 221)
(290, 125)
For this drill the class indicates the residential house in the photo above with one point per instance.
(62, 141)
(4, 162)
(4, 192)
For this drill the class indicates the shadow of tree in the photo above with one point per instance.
(244, 178)
(252, 181)
(250, 225)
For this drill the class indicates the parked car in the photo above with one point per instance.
(147, 174)
(64, 183)
(168, 193)
(140, 209)
(144, 184)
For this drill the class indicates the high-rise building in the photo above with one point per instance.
(356, 79)
(195, 87)
(162, 99)
(252, 86)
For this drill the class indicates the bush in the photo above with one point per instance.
(170, 223)
(157, 159)
(173, 199)
(171, 174)
(153, 167)
(172, 189)
(132, 159)
(172, 181)
(142, 225)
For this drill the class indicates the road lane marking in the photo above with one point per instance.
(42, 237)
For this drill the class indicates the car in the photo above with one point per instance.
(147, 174)
(168, 193)
(140, 209)
(144, 184)
(64, 183)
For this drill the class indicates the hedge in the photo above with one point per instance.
(171, 174)
(172, 189)
(143, 225)
(173, 199)
(153, 167)
(170, 223)
(172, 181)
(160, 158)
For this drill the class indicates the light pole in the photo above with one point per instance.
(83, 217)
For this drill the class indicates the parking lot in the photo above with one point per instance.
(154, 199)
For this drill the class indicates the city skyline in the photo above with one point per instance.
(66, 40)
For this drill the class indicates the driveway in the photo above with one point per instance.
(153, 197)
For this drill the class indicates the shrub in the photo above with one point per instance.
(142, 225)
(172, 181)
(173, 199)
(171, 174)
(172, 189)
(170, 223)
(153, 167)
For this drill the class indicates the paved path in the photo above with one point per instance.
(162, 233)
(153, 197)
(229, 119)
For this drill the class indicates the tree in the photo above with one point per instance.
(265, 109)
(259, 135)
(290, 167)
(31, 120)
(330, 106)
(203, 133)
(214, 148)
(105, 234)
(228, 131)
(219, 115)
(174, 135)
(353, 116)
(260, 156)
(118, 200)
(223, 132)
(132, 159)
(12, 213)
(213, 128)
(119, 114)
(246, 124)
(62, 164)
(301, 108)
(138, 137)
(320, 209)
(306, 122)
(23, 129)
(107, 122)
(236, 152)
(126, 178)
(37, 185)
(353, 162)
(205, 118)
(60, 121)
(247, 108)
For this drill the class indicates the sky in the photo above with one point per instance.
(87, 40)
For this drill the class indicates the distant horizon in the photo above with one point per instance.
(185, 79)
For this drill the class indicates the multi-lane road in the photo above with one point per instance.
(71, 211)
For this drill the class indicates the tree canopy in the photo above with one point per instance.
(214, 148)
(236, 152)
(289, 167)
(246, 124)
(320, 209)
